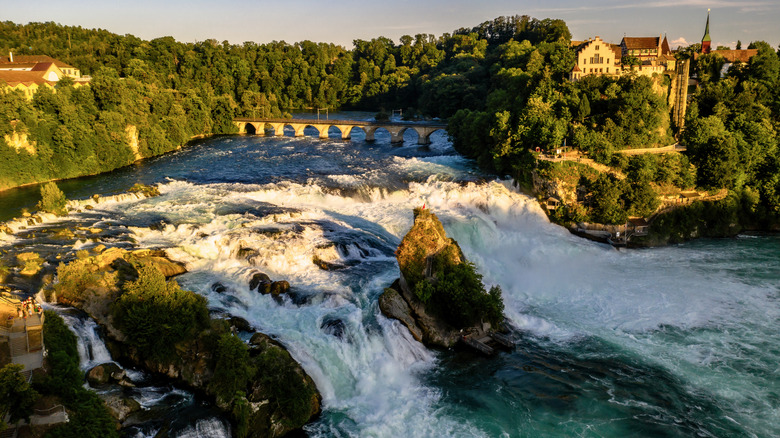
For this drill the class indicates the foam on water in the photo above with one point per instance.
(92, 350)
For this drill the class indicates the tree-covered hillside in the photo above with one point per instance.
(167, 91)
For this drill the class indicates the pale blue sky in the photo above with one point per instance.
(342, 21)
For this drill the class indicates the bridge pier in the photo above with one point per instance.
(346, 131)
(298, 129)
(370, 133)
(397, 135)
(278, 129)
(323, 129)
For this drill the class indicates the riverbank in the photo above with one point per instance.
(193, 140)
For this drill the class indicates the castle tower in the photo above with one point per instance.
(705, 40)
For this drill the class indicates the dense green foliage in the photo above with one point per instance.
(88, 415)
(531, 104)
(732, 126)
(286, 386)
(52, 199)
(155, 315)
(84, 130)
(233, 369)
(170, 91)
(17, 397)
(739, 211)
(458, 295)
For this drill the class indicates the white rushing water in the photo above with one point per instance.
(92, 349)
(680, 309)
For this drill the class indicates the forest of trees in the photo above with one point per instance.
(507, 77)
(171, 91)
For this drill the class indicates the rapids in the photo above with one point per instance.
(676, 341)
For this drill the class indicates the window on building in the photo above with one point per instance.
(597, 47)
(584, 60)
(607, 69)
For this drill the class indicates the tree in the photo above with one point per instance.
(583, 110)
(233, 369)
(713, 151)
(155, 315)
(52, 199)
(607, 199)
(16, 395)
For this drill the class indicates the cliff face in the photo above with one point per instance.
(439, 296)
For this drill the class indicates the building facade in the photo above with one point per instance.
(29, 73)
(596, 57)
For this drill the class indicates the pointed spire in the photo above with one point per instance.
(705, 40)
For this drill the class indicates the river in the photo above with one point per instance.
(675, 341)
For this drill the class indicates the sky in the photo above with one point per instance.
(342, 21)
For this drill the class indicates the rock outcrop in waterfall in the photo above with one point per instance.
(439, 295)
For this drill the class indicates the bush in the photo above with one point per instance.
(77, 277)
(155, 315)
(233, 368)
(16, 395)
(288, 389)
(459, 296)
(52, 200)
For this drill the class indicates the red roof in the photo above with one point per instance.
(732, 56)
(13, 78)
(42, 66)
(33, 59)
(641, 42)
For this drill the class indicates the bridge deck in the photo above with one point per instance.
(340, 122)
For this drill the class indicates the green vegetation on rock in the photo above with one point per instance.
(233, 368)
(155, 315)
(156, 324)
(437, 272)
(146, 190)
(52, 199)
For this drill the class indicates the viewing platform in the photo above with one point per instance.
(264, 126)
(21, 332)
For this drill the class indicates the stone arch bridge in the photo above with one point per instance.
(259, 126)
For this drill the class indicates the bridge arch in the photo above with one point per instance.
(397, 134)
(424, 134)
(250, 129)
